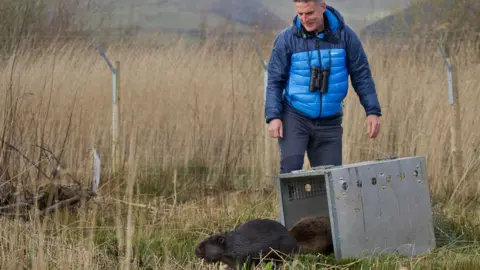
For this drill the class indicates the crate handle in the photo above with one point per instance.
(323, 167)
(387, 158)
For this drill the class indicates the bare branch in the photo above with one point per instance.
(25, 157)
(83, 195)
(58, 164)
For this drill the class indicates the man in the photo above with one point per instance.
(303, 110)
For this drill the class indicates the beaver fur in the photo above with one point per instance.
(313, 234)
(249, 243)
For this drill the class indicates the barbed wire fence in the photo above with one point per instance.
(447, 231)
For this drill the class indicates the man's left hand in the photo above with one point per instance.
(373, 126)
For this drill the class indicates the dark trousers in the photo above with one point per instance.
(320, 138)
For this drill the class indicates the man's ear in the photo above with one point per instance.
(324, 6)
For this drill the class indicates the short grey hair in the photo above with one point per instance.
(306, 1)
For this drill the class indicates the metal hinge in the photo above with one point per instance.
(323, 167)
(387, 158)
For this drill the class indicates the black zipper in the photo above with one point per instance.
(317, 46)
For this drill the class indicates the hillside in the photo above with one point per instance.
(175, 15)
(430, 17)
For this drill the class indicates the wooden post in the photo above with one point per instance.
(116, 118)
(456, 142)
(455, 120)
(268, 158)
(115, 110)
(96, 171)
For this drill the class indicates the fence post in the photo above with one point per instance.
(96, 171)
(116, 118)
(455, 121)
(115, 110)
(268, 160)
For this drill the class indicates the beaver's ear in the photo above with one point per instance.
(220, 239)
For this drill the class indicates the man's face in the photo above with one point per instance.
(311, 14)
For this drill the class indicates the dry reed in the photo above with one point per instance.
(199, 110)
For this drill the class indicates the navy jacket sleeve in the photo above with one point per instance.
(360, 73)
(278, 68)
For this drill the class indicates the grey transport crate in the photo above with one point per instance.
(375, 207)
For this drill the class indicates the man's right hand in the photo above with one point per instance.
(275, 128)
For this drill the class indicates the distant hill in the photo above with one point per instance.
(248, 12)
(151, 16)
(428, 17)
(187, 15)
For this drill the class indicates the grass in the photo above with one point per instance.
(192, 139)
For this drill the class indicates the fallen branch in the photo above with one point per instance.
(42, 201)
(83, 195)
(53, 195)
(15, 205)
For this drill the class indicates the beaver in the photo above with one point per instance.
(313, 234)
(249, 243)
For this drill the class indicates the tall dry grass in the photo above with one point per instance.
(192, 123)
(203, 107)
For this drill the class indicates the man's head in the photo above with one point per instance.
(310, 13)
